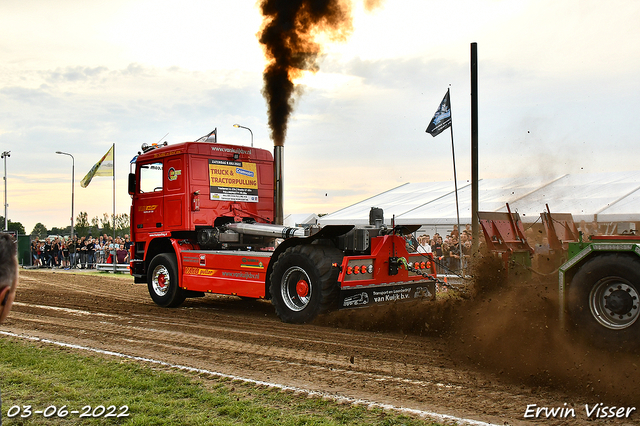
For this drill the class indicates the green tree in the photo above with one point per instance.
(82, 224)
(57, 231)
(122, 224)
(12, 226)
(106, 222)
(94, 229)
(40, 231)
(16, 226)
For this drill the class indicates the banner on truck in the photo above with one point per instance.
(233, 181)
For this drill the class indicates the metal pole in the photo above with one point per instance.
(115, 252)
(475, 228)
(455, 184)
(242, 127)
(278, 165)
(6, 220)
(73, 172)
(73, 190)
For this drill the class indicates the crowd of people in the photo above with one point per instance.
(446, 250)
(79, 252)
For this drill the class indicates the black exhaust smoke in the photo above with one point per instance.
(287, 36)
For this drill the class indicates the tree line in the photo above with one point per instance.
(82, 227)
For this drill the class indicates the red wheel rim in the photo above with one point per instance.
(162, 280)
(302, 288)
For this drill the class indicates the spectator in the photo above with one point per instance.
(35, 248)
(60, 254)
(121, 254)
(72, 252)
(65, 255)
(112, 250)
(466, 253)
(48, 255)
(455, 232)
(454, 254)
(409, 244)
(436, 248)
(43, 260)
(127, 242)
(82, 249)
(91, 251)
(423, 244)
(446, 252)
(100, 250)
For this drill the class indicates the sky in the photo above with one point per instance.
(558, 93)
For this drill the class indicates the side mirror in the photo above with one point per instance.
(132, 183)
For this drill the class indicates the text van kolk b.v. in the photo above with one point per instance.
(595, 411)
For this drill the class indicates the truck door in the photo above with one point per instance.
(174, 194)
(148, 214)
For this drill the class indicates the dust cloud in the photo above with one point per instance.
(510, 327)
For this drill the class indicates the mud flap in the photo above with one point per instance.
(367, 296)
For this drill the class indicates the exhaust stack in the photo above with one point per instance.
(278, 171)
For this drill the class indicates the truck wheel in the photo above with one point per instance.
(162, 280)
(604, 299)
(304, 283)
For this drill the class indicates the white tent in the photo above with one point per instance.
(605, 197)
(293, 220)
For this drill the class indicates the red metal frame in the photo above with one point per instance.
(504, 234)
(561, 229)
(382, 248)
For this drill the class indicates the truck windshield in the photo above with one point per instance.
(150, 177)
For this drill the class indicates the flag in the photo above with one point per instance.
(213, 135)
(104, 167)
(442, 118)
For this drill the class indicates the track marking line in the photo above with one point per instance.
(334, 397)
(67, 310)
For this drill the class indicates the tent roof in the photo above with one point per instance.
(608, 197)
(296, 219)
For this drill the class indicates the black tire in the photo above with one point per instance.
(603, 300)
(162, 281)
(304, 283)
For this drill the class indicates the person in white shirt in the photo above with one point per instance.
(423, 246)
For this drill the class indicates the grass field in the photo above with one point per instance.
(59, 381)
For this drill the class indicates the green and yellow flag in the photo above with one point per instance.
(104, 167)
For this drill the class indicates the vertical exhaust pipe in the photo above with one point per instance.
(278, 171)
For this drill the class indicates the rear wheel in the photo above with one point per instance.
(604, 299)
(162, 280)
(304, 282)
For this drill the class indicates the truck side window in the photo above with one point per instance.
(151, 177)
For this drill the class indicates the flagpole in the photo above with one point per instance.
(455, 183)
(115, 257)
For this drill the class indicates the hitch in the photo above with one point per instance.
(394, 264)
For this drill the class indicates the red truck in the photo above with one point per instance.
(207, 218)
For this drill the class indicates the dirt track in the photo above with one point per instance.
(385, 355)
